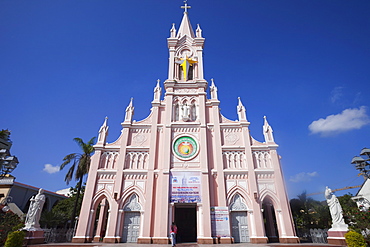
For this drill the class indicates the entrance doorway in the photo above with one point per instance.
(131, 227)
(186, 222)
(239, 227)
(270, 222)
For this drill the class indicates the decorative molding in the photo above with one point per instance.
(266, 186)
(231, 130)
(141, 184)
(109, 175)
(186, 90)
(234, 159)
(108, 160)
(132, 204)
(238, 204)
(262, 159)
(127, 184)
(139, 139)
(186, 129)
(140, 130)
(136, 160)
(231, 138)
(265, 175)
(243, 184)
(225, 120)
(230, 184)
(135, 176)
(109, 187)
(104, 186)
(147, 120)
(236, 176)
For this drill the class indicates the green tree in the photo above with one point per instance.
(309, 213)
(357, 220)
(60, 214)
(79, 168)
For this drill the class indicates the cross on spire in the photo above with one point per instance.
(185, 7)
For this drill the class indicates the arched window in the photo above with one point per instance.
(176, 112)
(193, 112)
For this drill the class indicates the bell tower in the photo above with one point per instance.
(186, 52)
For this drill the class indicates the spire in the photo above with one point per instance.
(241, 111)
(103, 132)
(129, 111)
(157, 93)
(173, 31)
(185, 26)
(213, 90)
(198, 31)
(267, 131)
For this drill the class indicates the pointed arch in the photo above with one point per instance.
(238, 203)
(176, 109)
(269, 206)
(103, 160)
(269, 194)
(127, 193)
(100, 195)
(241, 192)
(132, 203)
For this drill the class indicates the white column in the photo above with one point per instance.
(281, 222)
(200, 220)
(171, 63)
(253, 224)
(119, 229)
(141, 223)
(91, 222)
(170, 215)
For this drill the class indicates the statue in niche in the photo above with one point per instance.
(34, 211)
(185, 112)
(336, 211)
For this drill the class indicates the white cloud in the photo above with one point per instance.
(50, 169)
(303, 177)
(336, 94)
(348, 119)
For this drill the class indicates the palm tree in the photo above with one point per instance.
(80, 167)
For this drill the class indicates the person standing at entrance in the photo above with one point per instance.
(173, 232)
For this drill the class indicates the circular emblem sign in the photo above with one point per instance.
(185, 147)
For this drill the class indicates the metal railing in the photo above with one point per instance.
(55, 235)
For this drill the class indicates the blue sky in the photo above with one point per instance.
(305, 64)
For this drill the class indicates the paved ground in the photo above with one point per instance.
(182, 245)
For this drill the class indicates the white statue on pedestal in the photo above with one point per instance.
(335, 211)
(185, 112)
(34, 211)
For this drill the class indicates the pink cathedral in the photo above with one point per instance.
(186, 163)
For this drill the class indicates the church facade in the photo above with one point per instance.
(186, 163)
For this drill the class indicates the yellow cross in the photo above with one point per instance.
(185, 63)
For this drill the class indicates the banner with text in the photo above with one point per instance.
(185, 187)
(220, 222)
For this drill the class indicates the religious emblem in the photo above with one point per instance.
(185, 147)
(185, 63)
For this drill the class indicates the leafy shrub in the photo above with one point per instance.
(15, 239)
(8, 221)
(355, 239)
